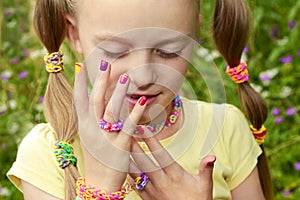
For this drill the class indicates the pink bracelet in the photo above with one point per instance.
(238, 74)
(86, 192)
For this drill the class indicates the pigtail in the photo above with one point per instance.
(50, 25)
(231, 31)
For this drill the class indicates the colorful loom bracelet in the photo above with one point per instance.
(64, 154)
(86, 192)
(238, 74)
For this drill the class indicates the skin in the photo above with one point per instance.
(93, 26)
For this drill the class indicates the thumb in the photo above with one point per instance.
(205, 172)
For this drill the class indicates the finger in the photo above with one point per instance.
(135, 172)
(113, 109)
(144, 162)
(81, 91)
(97, 98)
(132, 120)
(205, 173)
(161, 155)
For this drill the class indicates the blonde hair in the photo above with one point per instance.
(50, 24)
(231, 28)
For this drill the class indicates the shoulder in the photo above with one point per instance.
(222, 115)
(41, 134)
(36, 162)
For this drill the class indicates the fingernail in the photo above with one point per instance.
(123, 79)
(142, 100)
(211, 163)
(78, 67)
(140, 129)
(103, 65)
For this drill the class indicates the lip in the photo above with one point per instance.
(132, 101)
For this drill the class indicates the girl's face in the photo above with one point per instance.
(147, 39)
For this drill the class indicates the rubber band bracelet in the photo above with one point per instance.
(85, 191)
(259, 134)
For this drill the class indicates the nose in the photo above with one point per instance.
(142, 72)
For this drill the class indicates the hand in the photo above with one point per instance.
(106, 155)
(169, 180)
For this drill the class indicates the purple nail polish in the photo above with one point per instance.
(123, 79)
(103, 65)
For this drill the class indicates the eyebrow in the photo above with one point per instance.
(100, 37)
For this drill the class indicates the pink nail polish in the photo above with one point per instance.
(140, 129)
(142, 100)
(123, 79)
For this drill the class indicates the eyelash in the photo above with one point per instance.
(161, 53)
(168, 55)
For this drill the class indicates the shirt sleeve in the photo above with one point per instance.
(242, 149)
(36, 163)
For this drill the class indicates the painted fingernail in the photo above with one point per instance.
(142, 100)
(103, 65)
(123, 79)
(140, 129)
(78, 67)
(211, 163)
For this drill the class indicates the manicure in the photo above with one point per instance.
(103, 65)
(142, 100)
(78, 67)
(123, 79)
(211, 163)
(140, 129)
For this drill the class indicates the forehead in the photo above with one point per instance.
(122, 15)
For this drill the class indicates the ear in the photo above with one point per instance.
(72, 33)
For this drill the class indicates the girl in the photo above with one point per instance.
(136, 56)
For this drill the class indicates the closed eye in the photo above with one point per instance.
(119, 54)
(167, 54)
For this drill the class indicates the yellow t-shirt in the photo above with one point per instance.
(220, 130)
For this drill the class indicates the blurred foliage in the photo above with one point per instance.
(273, 56)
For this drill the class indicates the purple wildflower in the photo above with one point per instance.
(14, 61)
(279, 120)
(298, 53)
(246, 49)
(23, 74)
(9, 12)
(25, 52)
(286, 193)
(274, 33)
(41, 99)
(297, 166)
(287, 59)
(10, 95)
(292, 24)
(6, 75)
(276, 111)
(265, 77)
(291, 111)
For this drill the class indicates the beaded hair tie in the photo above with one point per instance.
(238, 74)
(259, 134)
(54, 62)
(64, 154)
